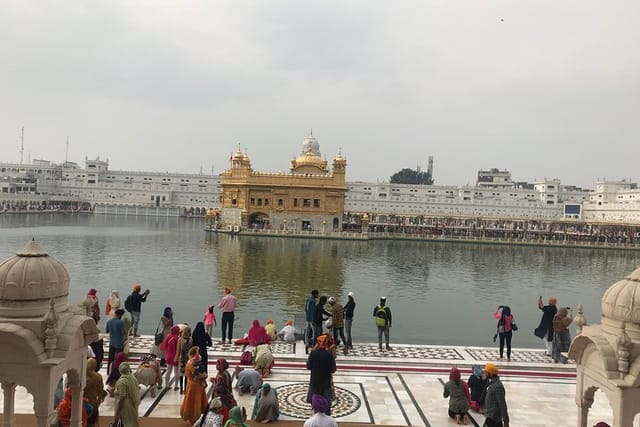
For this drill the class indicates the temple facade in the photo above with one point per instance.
(308, 197)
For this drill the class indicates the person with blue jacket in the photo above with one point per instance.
(309, 308)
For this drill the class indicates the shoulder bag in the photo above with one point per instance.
(158, 337)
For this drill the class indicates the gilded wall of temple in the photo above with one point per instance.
(309, 196)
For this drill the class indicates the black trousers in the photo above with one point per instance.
(227, 325)
(506, 337)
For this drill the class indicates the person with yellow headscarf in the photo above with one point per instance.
(94, 391)
(496, 412)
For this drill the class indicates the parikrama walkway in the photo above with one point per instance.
(400, 387)
(509, 241)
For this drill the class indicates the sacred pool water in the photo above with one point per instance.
(439, 293)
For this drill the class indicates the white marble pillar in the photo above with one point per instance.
(583, 416)
(9, 391)
(76, 405)
(42, 404)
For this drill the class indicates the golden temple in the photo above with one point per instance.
(308, 197)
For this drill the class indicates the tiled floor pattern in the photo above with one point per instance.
(527, 356)
(400, 399)
(382, 394)
(293, 401)
(144, 344)
(405, 352)
(419, 353)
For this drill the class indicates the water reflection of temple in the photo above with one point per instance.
(285, 269)
(309, 197)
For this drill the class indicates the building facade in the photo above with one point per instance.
(308, 197)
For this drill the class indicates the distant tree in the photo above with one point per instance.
(410, 176)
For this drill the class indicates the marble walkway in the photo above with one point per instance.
(402, 386)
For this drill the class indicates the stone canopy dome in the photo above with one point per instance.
(29, 280)
(621, 302)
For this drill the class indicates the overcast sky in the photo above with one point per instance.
(543, 88)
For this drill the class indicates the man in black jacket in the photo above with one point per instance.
(136, 299)
(322, 366)
(349, 309)
(318, 316)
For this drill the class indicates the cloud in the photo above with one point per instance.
(161, 85)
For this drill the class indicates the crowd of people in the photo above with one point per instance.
(40, 206)
(536, 230)
(326, 313)
(182, 351)
(553, 329)
(484, 392)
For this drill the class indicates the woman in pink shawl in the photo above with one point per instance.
(170, 348)
(258, 335)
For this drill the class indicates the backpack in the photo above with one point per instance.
(246, 358)
(381, 316)
(128, 304)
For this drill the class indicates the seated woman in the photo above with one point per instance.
(458, 393)
(264, 360)
(237, 417)
(211, 418)
(258, 335)
(477, 387)
(266, 407)
(271, 330)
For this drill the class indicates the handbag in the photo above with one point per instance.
(158, 337)
(514, 327)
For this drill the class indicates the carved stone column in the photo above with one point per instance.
(584, 405)
(9, 391)
(73, 382)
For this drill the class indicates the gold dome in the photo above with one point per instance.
(309, 160)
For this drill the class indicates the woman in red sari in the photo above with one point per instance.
(222, 388)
